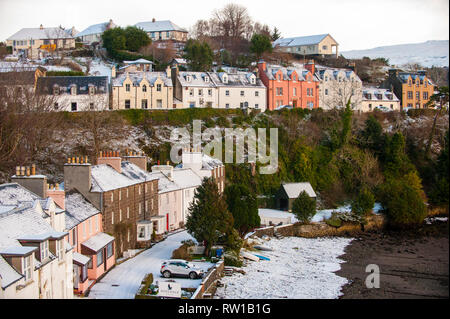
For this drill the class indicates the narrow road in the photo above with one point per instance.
(124, 280)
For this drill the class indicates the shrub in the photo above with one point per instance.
(181, 253)
(363, 204)
(304, 207)
(334, 221)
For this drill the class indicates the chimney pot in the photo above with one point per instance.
(22, 170)
(28, 171)
(86, 160)
(33, 169)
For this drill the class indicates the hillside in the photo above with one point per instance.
(427, 54)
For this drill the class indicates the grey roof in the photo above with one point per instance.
(14, 194)
(46, 84)
(78, 209)
(240, 79)
(294, 189)
(157, 26)
(321, 71)
(298, 41)
(97, 242)
(94, 29)
(197, 79)
(378, 94)
(137, 77)
(403, 76)
(272, 70)
(40, 34)
(139, 61)
(8, 273)
(80, 259)
(17, 250)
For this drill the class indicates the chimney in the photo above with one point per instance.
(112, 159)
(113, 72)
(165, 169)
(153, 20)
(169, 71)
(41, 27)
(310, 66)
(192, 158)
(262, 66)
(77, 176)
(26, 177)
(58, 195)
(140, 160)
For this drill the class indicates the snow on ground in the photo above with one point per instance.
(124, 280)
(299, 268)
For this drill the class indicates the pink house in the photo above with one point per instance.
(94, 251)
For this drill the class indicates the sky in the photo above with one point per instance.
(354, 24)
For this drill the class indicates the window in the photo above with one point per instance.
(56, 90)
(91, 90)
(109, 250)
(120, 215)
(120, 194)
(210, 92)
(27, 267)
(227, 93)
(127, 104)
(144, 88)
(279, 91)
(410, 94)
(158, 87)
(44, 250)
(159, 104)
(370, 106)
(417, 95)
(100, 258)
(425, 95)
(191, 92)
(128, 237)
(256, 106)
(74, 106)
(112, 197)
(256, 93)
(128, 212)
(140, 208)
(326, 91)
(145, 188)
(392, 106)
(144, 104)
(127, 87)
(141, 232)
(127, 192)
(91, 106)
(294, 92)
(60, 249)
(167, 198)
(227, 106)
(200, 92)
(56, 106)
(242, 93)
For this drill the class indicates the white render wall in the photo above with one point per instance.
(234, 99)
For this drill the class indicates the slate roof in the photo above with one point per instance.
(80, 259)
(17, 78)
(294, 189)
(197, 79)
(158, 26)
(404, 76)
(272, 70)
(299, 41)
(39, 34)
(378, 91)
(240, 79)
(78, 209)
(46, 84)
(13, 194)
(97, 242)
(137, 77)
(94, 29)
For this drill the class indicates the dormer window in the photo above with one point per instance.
(91, 90)
(206, 79)
(225, 79)
(44, 250)
(188, 78)
(56, 90)
(144, 88)
(73, 90)
(127, 87)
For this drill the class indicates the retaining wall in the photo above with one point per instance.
(209, 280)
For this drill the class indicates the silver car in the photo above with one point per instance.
(180, 267)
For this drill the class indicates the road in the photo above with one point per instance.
(124, 280)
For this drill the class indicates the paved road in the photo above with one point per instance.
(124, 280)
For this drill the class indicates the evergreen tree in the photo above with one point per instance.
(260, 44)
(243, 206)
(304, 207)
(199, 55)
(136, 38)
(363, 204)
(276, 34)
(208, 217)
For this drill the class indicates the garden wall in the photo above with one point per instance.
(208, 281)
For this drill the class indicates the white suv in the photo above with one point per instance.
(180, 267)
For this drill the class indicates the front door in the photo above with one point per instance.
(167, 222)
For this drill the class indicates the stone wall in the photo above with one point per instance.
(208, 281)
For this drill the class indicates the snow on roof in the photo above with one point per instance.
(8, 274)
(97, 242)
(186, 178)
(378, 94)
(94, 29)
(165, 25)
(201, 79)
(139, 61)
(137, 77)
(78, 209)
(286, 72)
(240, 79)
(297, 41)
(80, 259)
(210, 163)
(13, 194)
(39, 34)
(294, 189)
(273, 213)
(17, 250)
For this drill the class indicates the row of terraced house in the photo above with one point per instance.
(56, 240)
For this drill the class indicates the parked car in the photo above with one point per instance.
(382, 108)
(180, 267)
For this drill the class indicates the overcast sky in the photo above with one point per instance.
(355, 24)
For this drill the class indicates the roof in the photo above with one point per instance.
(97, 242)
(80, 259)
(139, 61)
(95, 29)
(378, 94)
(17, 78)
(8, 274)
(404, 76)
(13, 194)
(78, 209)
(17, 250)
(106, 178)
(272, 70)
(137, 77)
(46, 84)
(293, 190)
(157, 26)
(334, 73)
(198, 79)
(38, 33)
(298, 41)
(186, 178)
(274, 213)
(210, 163)
(240, 79)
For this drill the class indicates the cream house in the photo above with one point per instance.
(337, 86)
(35, 43)
(163, 30)
(142, 90)
(239, 90)
(35, 259)
(321, 44)
(379, 99)
(194, 89)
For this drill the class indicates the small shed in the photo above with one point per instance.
(288, 192)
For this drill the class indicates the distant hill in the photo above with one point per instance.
(427, 54)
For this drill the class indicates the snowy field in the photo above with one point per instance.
(299, 268)
(124, 280)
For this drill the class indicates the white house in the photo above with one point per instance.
(94, 32)
(35, 258)
(381, 99)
